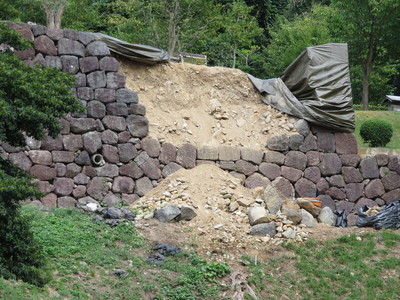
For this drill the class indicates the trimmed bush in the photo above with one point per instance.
(376, 132)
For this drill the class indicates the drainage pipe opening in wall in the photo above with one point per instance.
(98, 160)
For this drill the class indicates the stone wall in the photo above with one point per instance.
(114, 127)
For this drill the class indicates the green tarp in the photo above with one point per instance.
(315, 87)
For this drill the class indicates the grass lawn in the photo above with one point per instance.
(391, 116)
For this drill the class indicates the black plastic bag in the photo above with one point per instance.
(341, 220)
(389, 217)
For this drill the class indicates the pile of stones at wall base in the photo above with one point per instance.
(104, 154)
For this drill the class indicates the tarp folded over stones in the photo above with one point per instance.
(315, 87)
(142, 53)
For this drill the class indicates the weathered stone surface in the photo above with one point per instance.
(70, 47)
(170, 169)
(313, 158)
(187, 213)
(25, 30)
(50, 200)
(273, 200)
(245, 167)
(302, 127)
(21, 160)
(251, 155)
(151, 146)
(111, 200)
(92, 141)
(274, 157)
(97, 48)
(228, 153)
(295, 141)
(336, 180)
(391, 181)
(330, 164)
(117, 109)
(256, 180)
(137, 109)
(167, 213)
(207, 153)
(55, 33)
(115, 80)
(124, 137)
(228, 165)
(129, 199)
(98, 188)
(89, 64)
(369, 168)
(127, 152)
(43, 172)
(72, 170)
(69, 64)
(305, 188)
(85, 93)
(66, 202)
(307, 219)
(308, 206)
(86, 37)
(109, 64)
(336, 193)
(351, 174)
(374, 189)
(278, 143)
(71, 34)
(346, 143)
(258, 215)
(123, 185)
(97, 79)
(81, 179)
(110, 153)
(41, 157)
(309, 144)
(327, 201)
(313, 174)
(114, 123)
(105, 95)
(394, 163)
(44, 186)
(53, 61)
(391, 196)
(72, 142)
(109, 137)
(28, 54)
(186, 156)
(364, 201)
(138, 126)
(82, 125)
(296, 159)
(151, 168)
(108, 170)
(61, 169)
(382, 159)
(354, 191)
(271, 171)
(292, 215)
(325, 142)
(291, 173)
(263, 229)
(141, 158)
(284, 187)
(168, 153)
(45, 45)
(351, 160)
(345, 205)
(125, 95)
(327, 216)
(131, 170)
(89, 171)
(83, 158)
(63, 186)
(143, 185)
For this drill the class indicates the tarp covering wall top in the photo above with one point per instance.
(315, 87)
(141, 53)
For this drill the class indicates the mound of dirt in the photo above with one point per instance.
(204, 105)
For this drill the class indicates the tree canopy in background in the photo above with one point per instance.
(258, 36)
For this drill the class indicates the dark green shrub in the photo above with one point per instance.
(376, 132)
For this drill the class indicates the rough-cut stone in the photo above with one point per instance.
(273, 199)
(271, 171)
(115, 80)
(309, 144)
(45, 45)
(66, 202)
(92, 142)
(44, 186)
(325, 142)
(126, 152)
(143, 185)
(28, 54)
(170, 169)
(43, 172)
(72, 142)
(382, 159)
(264, 229)
(55, 33)
(228, 165)
(330, 164)
(308, 206)
(354, 191)
(351, 174)
(105, 95)
(151, 146)
(305, 188)
(138, 126)
(207, 153)
(364, 201)
(351, 160)
(278, 143)
(251, 155)
(307, 219)
(296, 159)
(369, 168)
(32, 144)
(129, 199)
(97, 79)
(336, 180)
(374, 189)
(70, 47)
(187, 213)
(82, 125)
(21, 160)
(72, 170)
(151, 168)
(245, 167)
(41, 157)
(302, 127)
(186, 156)
(167, 213)
(168, 153)
(123, 185)
(291, 173)
(85, 93)
(117, 109)
(394, 163)
(50, 200)
(124, 137)
(313, 174)
(322, 186)
(391, 181)
(292, 215)
(86, 37)
(110, 153)
(336, 193)
(256, 180)
(141, 158)
(228, 153)
(258, 215)
(346, 143)
(71, 34)
(81, 179)
(295, 141)
(137, 109)
(69, 64)
(284, 187)
(345, 205)
(83, 158)
(98, 48)
(111, 200)
(53, 61)
(61, 169)
(25, 30)
(98, 188)
(274, 157)
(89, 171)
(89, 64)
(327, 216)
(327, 201)
(125, 95)
(63, 186)
(313, 158)
(114, 123)
(109, 137)
(109, 64)
(131, 170)
(391, 196)
(108, 170)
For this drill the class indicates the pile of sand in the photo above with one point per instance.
(204, 105)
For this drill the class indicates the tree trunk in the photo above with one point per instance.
(57, 17)
(172, 34)
(234, 56)
(366, 73)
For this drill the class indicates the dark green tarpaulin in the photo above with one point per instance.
(315, 87)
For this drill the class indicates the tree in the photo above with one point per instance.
(371, 29)
(53, 10)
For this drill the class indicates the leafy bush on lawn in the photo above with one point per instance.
(376, 132)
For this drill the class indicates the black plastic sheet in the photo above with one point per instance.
(389, 217)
